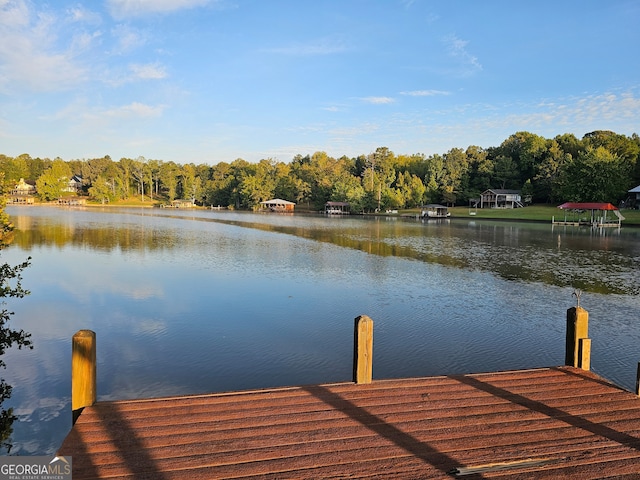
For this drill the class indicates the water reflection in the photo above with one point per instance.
(189, 302)
(594, 260)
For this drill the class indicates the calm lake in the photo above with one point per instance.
(189, 302)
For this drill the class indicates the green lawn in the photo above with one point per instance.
(543, 213)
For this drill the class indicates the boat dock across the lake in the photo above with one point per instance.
(543, 423)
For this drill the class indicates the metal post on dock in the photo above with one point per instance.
(363, 350)
(83, 371)
(578, 344)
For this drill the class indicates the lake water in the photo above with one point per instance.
(188, 302)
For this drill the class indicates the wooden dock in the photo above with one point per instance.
(542, 423)
(546, 423)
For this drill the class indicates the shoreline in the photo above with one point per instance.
(501, 215)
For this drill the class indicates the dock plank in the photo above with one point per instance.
(539, 423)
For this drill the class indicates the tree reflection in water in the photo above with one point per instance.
(10, 287)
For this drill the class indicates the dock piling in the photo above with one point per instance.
(363, 350)
(83, 371)
(578, 343)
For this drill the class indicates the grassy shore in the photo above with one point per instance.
(539, 213)
(532, 213)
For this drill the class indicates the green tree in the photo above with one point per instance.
(435, 177)
(596, 175)
(480, 171)
(348, 188)
(547, 178)
(525, 150)
(505, 172)
(190, 183)
(52, 183)
(93, 168)
(168, 177)
(411, 188)
(139, 172)
(102, 190)
(15, 168)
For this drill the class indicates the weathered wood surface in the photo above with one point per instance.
(529, 424)
(363, 350)
(83, 370)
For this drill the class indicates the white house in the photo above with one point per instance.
(500, 198)
(634, 196)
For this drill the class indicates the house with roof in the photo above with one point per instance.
(277, 205)
(501, 198)
(634, 197)
(22, 193)
(74, 185)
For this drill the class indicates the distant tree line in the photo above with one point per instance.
(602, 167)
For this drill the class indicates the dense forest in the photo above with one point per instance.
(602, 166)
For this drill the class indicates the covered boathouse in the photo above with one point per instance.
(337, 208)
(596, 218)
(277, 205)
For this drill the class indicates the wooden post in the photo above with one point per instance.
(83, 371)
(584, 354)
(363, 350)
(638, 380)
(577, 329)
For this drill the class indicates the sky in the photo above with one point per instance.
(207, 81)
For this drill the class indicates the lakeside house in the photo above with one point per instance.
(74, 185)
(501, 198)
(277, 205)
(634, 197)
(22, 193)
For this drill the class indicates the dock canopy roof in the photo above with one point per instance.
(587, 206)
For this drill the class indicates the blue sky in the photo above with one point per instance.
(205, 81)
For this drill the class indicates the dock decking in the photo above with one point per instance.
(560, 422)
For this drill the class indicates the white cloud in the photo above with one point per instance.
(127, 39)
(378, 100)
(425, 93)
(133, 8)
(135, 109)
(14, 13)
(78, 13)
(150, 71)
(33, 57)
(457, 49)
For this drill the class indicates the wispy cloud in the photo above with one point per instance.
(425, 93)
(150, 71)
(457, 49)
(133, 8)
(135, 110)
(378, 100)
(33, 56)
(79, 13)
(126, 39)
